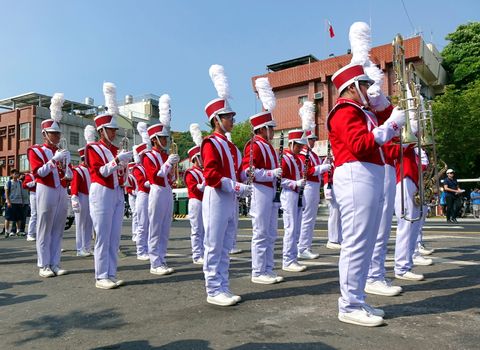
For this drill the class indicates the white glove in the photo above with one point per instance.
(300, 183)
(173, 159)
(147, 184)
(377, 100)
(242, 190)
(414, 125)
(390, 128)
(60, 155)
(201, 187)
(75, 204)
(324, 167)
(277, 172)
(31, 184)
(124, 157)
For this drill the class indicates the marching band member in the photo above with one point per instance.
(222, 165)
(49, 165)
(107, 168)
(334, 223)
(261, 158)
(131, 188)
(312, 188)
(159, 165)
(142, 193)
(30, 185)
(80, 204)
(195, 183)
(292, 181)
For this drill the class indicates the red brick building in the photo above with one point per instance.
(307, 78)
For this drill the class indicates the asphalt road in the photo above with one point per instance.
(170, 312)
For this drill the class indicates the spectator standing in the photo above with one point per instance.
(475, 197)
(452, 192)
(14, 203)
(30, 185)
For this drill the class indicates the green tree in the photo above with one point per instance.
(461, 57)
(241, 133)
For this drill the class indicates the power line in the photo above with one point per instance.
(408, 16)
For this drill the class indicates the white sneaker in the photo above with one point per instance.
(59, 271)
(46, 272)
(333, 245)
(221, 299)
(236, 251)
(161, 270)
(117, 282)
(264, 279)
(410, 276)
(83, 253)
(198, 261)
(105, 284)
(143, 257)
(31, 239)
(294, 267)
(307, 255)
(360, 318)
(424, 250)
(374, 311)
(237, 298)
(421, 261)
(11, 234)
(134, 238)
(382, 288)
(277, 278)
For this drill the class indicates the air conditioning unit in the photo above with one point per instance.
(11, 162)
(2, 162)
(318, 96)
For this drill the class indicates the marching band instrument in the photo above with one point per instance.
(410, 104)
(63, 145)
(305, 169)
(175, 170)
(250, 171)
(124, 145)
(278, 190)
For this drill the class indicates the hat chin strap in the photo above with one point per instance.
(220, 123)
(357, 87)
(45, 133)
(164, 148)
(105, 135)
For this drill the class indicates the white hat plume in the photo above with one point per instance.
(265, 93)
(110, 93)
(142, 131)
(56, 105)
(196, 134)
(89, 133)
(165, 111)
(220, 81)
(307, 114)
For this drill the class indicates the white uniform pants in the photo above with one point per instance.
(83, 225)
(334, 220)
(51, 216)
(361, 201)
(141, 214)
(292, 217)
(131, 202)
(264, 215)
(407, 231)
(219, 215)
(106, 210)
(160, 211)
(377, 266)
(197, 232)
(309, 215)
(32, 224)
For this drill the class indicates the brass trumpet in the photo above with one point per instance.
(174, 150)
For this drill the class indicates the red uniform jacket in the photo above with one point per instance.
(40, 155)
(221, 158)
(313, 162)
(97, 155)
(291, 169)
(350, 134)
(131, 185)
(29, 182)
(152, 162)
(410, 165)
(264, 157)
(193, 177)
(81, 180)
(140, 175)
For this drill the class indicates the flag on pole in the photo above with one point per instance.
(330, 29)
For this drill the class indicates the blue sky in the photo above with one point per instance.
(165, 46)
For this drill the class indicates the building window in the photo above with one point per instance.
(74, 138)
(23, 163)
(302, 99)
(25, 131)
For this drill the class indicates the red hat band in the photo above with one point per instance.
(347, 75)
(262, 119)
(297, 136)
(106, 121)
(217, 106)
(141, 148)
(50, 125)
(155, 130)
(192, 152)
